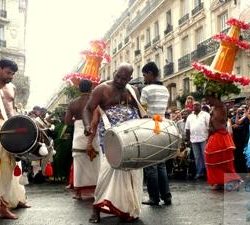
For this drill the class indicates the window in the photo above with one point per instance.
(157, 60)
(169, 17)
(184, 7)
(199, 35)
(197, 3)
(186, 86)
(137, 43)
(156, 28)
(169, 54)
(185, 46)
(1, 33)
(148, 39)
(2, 4)
(222, 21)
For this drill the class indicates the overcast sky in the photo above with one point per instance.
(57, 31)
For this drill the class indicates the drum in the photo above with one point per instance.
(23, 137)
(134, 144)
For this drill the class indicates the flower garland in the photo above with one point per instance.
(220, 76)
(74, 78)
(231, 40)
(238, 23)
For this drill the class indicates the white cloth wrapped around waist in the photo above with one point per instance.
(80, 141)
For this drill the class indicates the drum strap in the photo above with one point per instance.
(2, 108)
(140, 107)
(105, 119)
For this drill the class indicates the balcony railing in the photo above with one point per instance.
(119, 45)
(157, 38)
(197, 9)
(147, 45)
(126, 40)
(183, 19)
(168, 69)
(3, 13)
(168, 29)
(2, 43)
(184, 62)
(137, 52)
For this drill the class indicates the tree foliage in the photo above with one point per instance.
(211, 86)
(71, 92)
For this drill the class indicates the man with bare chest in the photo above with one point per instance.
(86, 165)
(118, 192)
(219, 151)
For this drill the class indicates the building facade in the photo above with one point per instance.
(13, 14)
(173, 34)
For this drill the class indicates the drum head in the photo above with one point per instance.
(113, 148)
(23, 139)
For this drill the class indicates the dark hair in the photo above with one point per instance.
(152, 68)
(85, 85)
(9, 64)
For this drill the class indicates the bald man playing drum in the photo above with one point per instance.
(118, 192)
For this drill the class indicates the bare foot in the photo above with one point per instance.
(7, 214)
(23, 205)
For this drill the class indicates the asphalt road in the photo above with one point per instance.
(193, 204)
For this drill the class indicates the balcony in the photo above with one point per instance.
(119, 45)
(137, 52)
(183, 19)
(3, 13)
(205, 48)
(197, 9)
(126, 40)
(147, 45)
(2, 43)
(168, 29)
(157, 38)
(168, 69)
(143, 14)
(184, 62)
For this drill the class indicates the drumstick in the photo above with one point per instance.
(14, 131)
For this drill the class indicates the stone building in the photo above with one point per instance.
(173, 34)
(13, 14)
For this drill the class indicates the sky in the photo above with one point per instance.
(57, 31)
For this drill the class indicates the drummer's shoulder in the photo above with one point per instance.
(103, 86)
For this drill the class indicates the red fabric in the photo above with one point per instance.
(48, 170)
(219, 158)
(17, 171)
(107, 207)
(71, 176)
(189, 106)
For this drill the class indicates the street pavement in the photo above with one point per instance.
(194, 203)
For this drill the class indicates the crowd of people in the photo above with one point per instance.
(213, 135)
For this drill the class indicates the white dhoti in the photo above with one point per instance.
(119, 192)
(85, 171)
(11, 191)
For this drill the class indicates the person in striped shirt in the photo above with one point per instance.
(154, 98)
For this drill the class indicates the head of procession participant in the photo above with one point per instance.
(7, 70)
(150, 73)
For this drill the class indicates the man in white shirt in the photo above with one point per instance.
(197, 126)
(154, 98)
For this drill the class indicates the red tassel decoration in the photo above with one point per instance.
(17, 171)
(48, 170)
